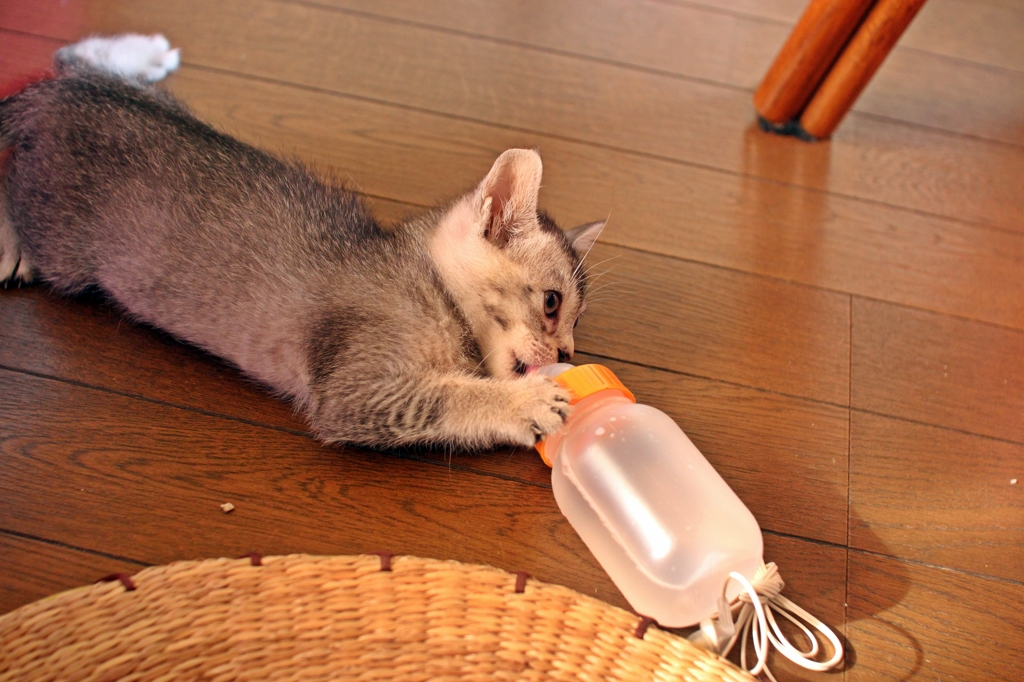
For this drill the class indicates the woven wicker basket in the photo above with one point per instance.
(304, 617)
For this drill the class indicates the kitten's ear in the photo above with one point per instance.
(583, 237)
(508, 195)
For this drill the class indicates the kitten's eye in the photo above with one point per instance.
(552, 299)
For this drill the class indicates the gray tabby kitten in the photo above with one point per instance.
(422, 334)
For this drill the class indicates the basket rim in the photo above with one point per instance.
(621, 632)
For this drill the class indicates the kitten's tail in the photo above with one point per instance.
(136, 58)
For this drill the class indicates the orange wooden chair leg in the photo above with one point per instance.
(857, 64)
(800, 66)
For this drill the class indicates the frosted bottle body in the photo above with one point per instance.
(654, 512)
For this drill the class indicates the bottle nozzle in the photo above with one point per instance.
(714, 635)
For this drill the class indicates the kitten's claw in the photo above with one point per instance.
(543, 408)
(14, 265)
(132, 56)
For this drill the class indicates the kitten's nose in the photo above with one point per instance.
(564, 356)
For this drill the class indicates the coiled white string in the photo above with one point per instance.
(757, 605)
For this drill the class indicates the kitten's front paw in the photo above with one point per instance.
(541, 408)
(14, 265)
(145, 58)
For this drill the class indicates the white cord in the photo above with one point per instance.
(757, 605)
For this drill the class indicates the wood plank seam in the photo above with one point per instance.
(157, 401)
(952, 429)
(64, 545)
(814, 541)
(398, 454)
(849, 493)
(849, 426)
(725, 382)
(714, 9)
(795, 282)
(938, 567)
(994, 68)
(939, 131)
(437, 28)
(58, 42)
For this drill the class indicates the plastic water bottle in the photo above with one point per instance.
(654, 512)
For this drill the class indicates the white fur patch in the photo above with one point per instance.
(147, 58)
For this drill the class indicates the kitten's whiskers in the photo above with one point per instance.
(583, 260)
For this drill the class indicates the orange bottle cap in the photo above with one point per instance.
(583, 381)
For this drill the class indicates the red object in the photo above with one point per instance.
(15, 85)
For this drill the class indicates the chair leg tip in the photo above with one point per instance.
(790, 128)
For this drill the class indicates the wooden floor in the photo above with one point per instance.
(838, 326)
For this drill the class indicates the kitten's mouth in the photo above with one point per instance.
(522, 369)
